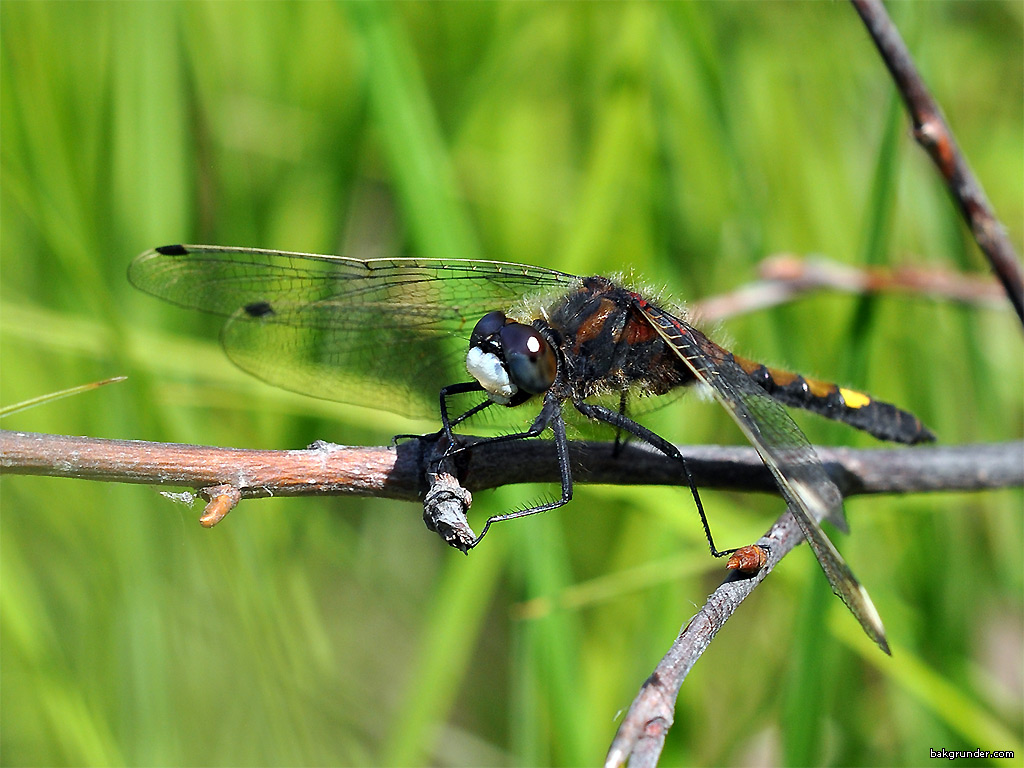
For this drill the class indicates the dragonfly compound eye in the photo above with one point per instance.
(530, 359)
(484, 361)
(488, 325)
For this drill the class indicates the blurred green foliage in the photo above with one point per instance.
(678, 142)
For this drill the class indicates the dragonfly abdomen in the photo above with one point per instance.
(880, 419)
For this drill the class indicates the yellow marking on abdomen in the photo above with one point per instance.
(854, 399)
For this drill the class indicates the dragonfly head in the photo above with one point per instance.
(511, 361)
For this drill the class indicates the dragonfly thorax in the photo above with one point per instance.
(510, 360)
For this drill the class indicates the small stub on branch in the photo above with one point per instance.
(748, 560)
(221, 499)
(933, 136)
(444, 511)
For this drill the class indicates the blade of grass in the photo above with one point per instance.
(412, 135)
(54, 396)
(454, 621)
(932, 691)
(552, 644)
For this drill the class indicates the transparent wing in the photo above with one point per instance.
(807, 489)
(387, 333)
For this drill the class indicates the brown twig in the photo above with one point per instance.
(226, 475)
(222, 475)
(783, 277)
(641, 735)
(399, 472)
(933, 133)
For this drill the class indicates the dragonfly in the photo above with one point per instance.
(390, 332)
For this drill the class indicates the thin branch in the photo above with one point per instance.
(399, 472)
(641, 735)
(784, 277)
(320, 469)
(934, 134)
(418, 468)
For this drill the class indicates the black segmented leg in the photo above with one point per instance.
(619, 442)
(551, 414)
(448, 423)
(623, 422)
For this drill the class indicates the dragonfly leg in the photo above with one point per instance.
(622, 422)
(550, 415)
(448, 423)
(619, 442)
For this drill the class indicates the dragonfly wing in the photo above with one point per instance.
(806, 487)
(388, 333)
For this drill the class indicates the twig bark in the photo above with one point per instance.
(400, 472)
(784, 277)
(411, 470)
(641, 735)
(934, 134)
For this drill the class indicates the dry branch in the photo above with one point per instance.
(785, 277)
(934, 134)
(641, 735)
(401, 472)
(407, 471)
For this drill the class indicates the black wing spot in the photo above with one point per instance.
(172, 250)
(259, 309)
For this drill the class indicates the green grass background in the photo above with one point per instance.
(679, 142)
